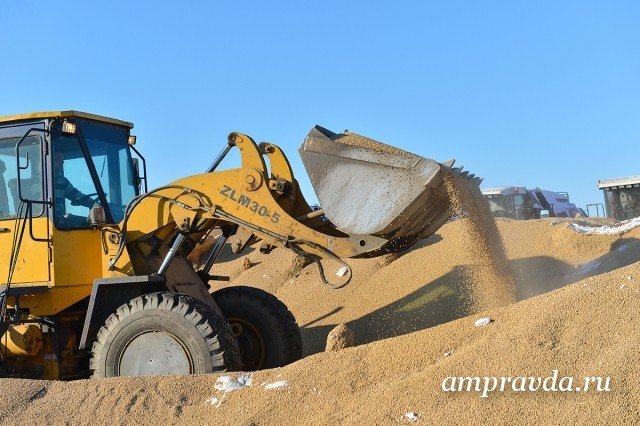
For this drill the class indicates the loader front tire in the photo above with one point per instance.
(164, 333)
(263, 326)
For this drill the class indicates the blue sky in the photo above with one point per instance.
(522, 93)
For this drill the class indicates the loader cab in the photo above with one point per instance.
(62, 176)
(621, 197)
(510, 202)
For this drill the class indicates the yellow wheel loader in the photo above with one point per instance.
(94, 270)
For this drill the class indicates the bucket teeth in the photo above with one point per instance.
(465, 174)
(476, 180)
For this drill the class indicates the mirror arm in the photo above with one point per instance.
(144, 168)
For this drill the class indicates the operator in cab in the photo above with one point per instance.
(64, 190)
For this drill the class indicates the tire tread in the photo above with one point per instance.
(223, 350)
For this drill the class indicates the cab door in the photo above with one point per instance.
(20, 230)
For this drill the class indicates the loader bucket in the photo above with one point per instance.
(367, 187)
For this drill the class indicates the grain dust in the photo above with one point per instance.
(488, 277)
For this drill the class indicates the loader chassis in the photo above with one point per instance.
(73, 275)
(97, 276)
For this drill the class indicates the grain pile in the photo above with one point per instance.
(360, 141)
(429, 285)
(587, 329)
(409, 320)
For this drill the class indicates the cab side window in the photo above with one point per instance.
(31, 181)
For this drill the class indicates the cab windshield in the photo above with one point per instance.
(501, 206)
(92, 167)
(511, 206)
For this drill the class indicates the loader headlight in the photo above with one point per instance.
(132, 140)
(68, 128)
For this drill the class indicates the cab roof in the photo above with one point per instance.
(617, 183)
(63, 114)
(505, 190)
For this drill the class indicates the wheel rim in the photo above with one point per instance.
(154, 353)
(250, 342)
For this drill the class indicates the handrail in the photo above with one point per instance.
(597, 206)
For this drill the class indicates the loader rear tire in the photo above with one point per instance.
(164, 333)
(265, 329)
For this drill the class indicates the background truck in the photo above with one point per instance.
(621, 197)
(518, 202)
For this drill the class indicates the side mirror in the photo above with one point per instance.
(21, 168)
(136, 169)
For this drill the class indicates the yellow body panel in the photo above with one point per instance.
(77, 257)
(54, 300)
(32, 266)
